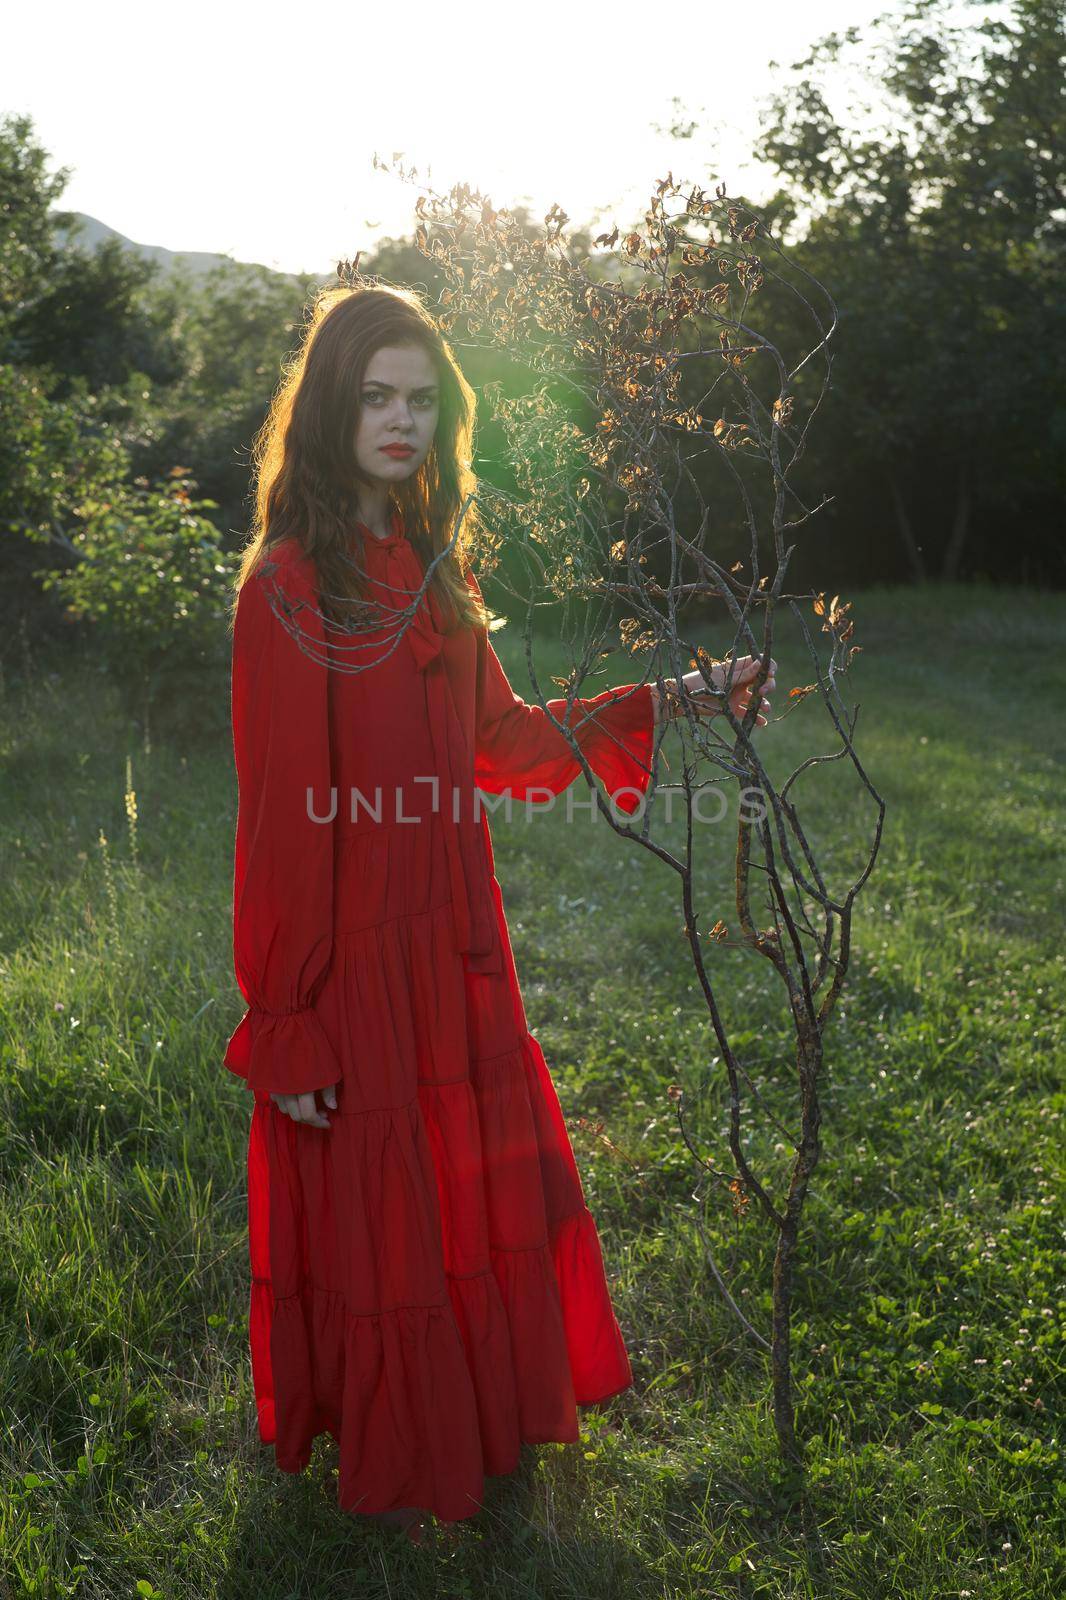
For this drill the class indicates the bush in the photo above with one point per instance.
(153, 581)
(53, 454)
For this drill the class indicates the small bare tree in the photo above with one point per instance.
(655, 388)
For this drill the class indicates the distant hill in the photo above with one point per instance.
(90, 233)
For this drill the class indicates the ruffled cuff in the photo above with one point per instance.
(619, 750)
(284, 1052)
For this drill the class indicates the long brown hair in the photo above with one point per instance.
(306, 474)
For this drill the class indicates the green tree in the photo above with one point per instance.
(27, 247)
(935, 211)
(234, 326)
(88, 316)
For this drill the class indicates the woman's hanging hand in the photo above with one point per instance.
(302, 1107)
(706, 705)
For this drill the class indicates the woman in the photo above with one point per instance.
(427, 1281)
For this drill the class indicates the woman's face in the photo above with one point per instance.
(399, 405)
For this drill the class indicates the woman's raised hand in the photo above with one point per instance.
(706, 705)
(302, 1107)
(745, 672)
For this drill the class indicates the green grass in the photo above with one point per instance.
(929, 1300)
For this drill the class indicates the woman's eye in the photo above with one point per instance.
(373, 395)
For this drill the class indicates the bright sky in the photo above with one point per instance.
(251, 130)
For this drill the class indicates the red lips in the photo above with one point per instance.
(398, 449)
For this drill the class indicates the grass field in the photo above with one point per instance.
(930, 1297)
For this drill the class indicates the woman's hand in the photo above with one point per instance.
(302, 1107)
(706, 706)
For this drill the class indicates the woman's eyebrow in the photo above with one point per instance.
(376, 383)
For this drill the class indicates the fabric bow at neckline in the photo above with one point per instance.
(404, 573)
(394, 536)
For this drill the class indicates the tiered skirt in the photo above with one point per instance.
(427, 1280)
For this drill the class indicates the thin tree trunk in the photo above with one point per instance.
(960, 527)
(906, 531)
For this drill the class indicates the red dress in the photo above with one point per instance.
(427, 1283)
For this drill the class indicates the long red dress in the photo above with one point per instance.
(427, 1283)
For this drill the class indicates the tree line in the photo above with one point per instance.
(918, 174)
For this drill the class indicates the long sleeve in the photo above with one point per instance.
(518, 748)
(283, 858)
